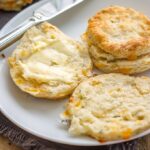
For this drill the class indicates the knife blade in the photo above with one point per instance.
(44, 13)
(49, 10)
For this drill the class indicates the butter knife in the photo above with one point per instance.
(44, 13)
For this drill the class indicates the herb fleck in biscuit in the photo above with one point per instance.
(110, 107)
(49, 64)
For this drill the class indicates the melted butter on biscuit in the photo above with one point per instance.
(48, 64)
(51, 63)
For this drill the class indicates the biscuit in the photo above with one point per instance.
(48, 64)
(11, 5)
(122, 32)
(110, 107)
(108, 63)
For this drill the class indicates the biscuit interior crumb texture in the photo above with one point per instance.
(110, 107)
(49, 64)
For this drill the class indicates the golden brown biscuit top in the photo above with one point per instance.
(120, 31)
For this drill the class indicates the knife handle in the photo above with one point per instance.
(16, 34)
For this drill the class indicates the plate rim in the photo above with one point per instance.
(30, 131)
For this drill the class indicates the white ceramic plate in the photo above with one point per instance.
(38, 116)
